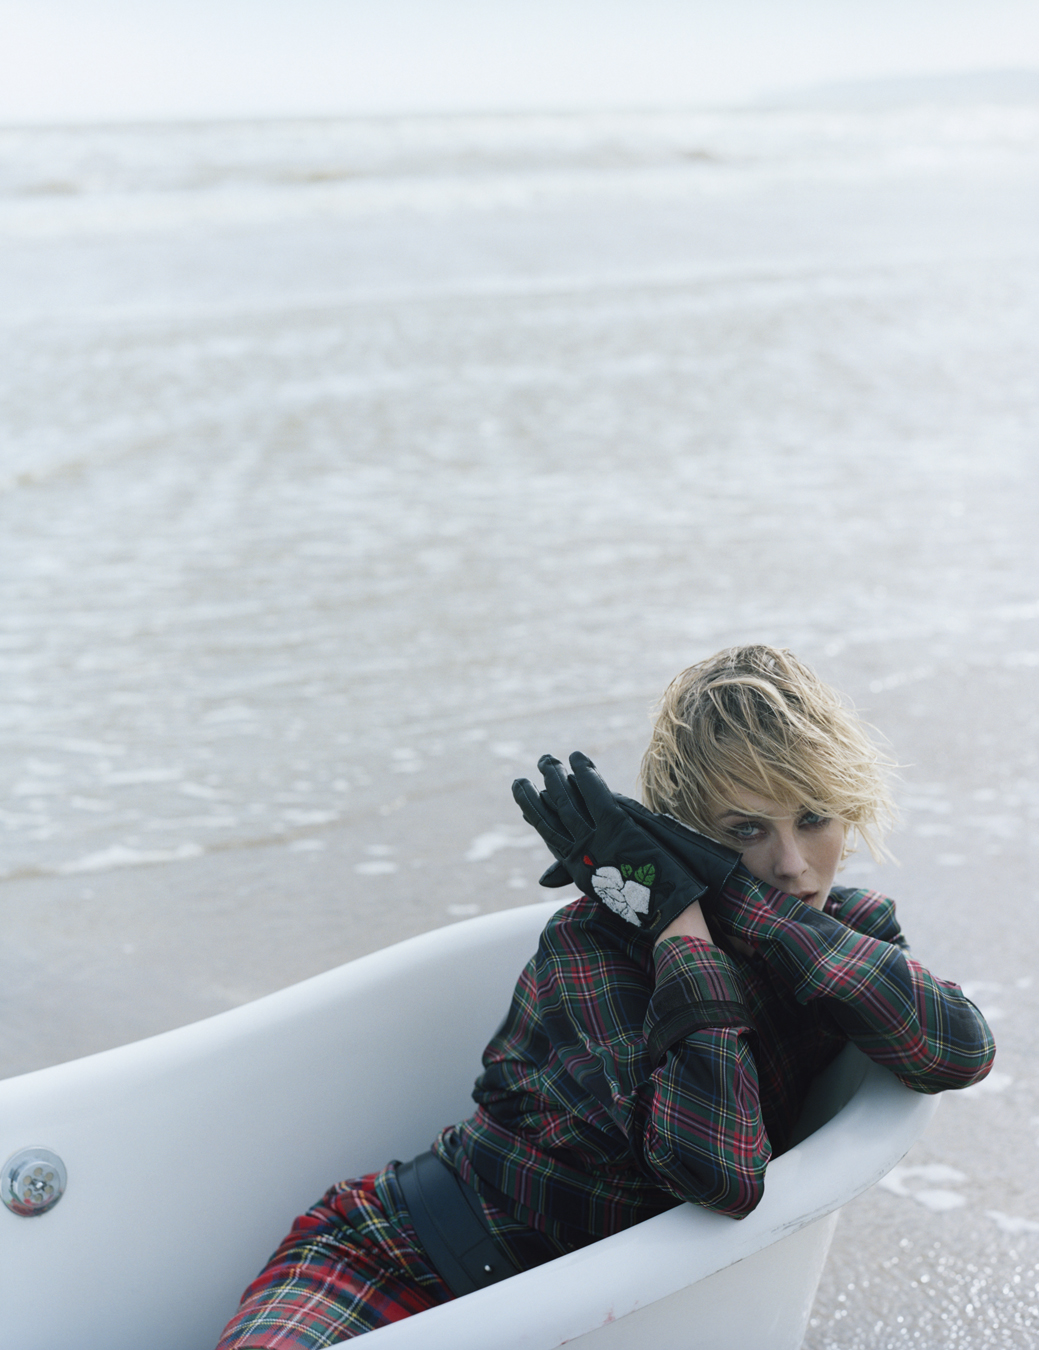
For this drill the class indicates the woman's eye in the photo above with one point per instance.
(811, 818)
(745, 830)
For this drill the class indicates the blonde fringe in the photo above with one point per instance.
(754, 719)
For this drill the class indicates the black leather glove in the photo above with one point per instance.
(646, 868)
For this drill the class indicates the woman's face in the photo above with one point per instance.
(796, 853)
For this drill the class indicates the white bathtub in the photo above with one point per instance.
(188, 1155)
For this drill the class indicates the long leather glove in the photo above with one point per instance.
(644, 867)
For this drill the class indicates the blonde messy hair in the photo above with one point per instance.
(754, 719)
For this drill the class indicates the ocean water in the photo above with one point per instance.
(347, 466)
(337, 441)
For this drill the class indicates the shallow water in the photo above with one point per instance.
(348, 466)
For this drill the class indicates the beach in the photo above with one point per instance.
(348, 466)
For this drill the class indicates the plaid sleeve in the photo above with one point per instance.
(703, 1127)
(690, 1109)
(924, 1029)
(867, 912)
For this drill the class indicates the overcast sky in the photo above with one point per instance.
(89, 59)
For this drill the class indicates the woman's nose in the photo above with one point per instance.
(788, 860)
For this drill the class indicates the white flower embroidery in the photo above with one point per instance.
(628, 898)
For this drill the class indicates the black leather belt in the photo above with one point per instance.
(447, 1217)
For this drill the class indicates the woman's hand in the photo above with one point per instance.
(690, 923)
(616, 849)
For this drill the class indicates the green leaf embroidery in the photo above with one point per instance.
(646, 874)
(626, 870)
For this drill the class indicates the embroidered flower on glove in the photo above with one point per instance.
(625, 890)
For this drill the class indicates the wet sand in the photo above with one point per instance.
(318, 528)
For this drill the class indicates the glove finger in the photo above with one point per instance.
(633, 807)
(597, 797)
(707, 859)
(574, 793)
(565, 801)
(537, 809)
(541, 816)
(556, 875)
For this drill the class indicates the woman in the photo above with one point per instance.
(661, 1042)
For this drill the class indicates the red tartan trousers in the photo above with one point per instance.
(349, 1264)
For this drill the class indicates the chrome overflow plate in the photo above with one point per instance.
(33, 1181)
